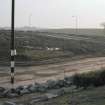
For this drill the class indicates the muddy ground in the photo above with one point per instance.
(31, 74)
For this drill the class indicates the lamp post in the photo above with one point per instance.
(76, 24)
(29, 21)
(12, 44)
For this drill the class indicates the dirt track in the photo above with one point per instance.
(27, 75)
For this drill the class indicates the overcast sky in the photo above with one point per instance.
(54, 13)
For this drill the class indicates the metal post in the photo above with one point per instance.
(12, 43)
(76, 24)
(30, 17)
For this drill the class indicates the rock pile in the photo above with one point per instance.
(45, 97)
(9, 103)
(37, 87)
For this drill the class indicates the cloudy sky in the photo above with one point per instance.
(54, 13)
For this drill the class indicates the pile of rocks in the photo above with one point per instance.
(41, 98)
(37, 87)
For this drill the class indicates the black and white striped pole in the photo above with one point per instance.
(13, 51)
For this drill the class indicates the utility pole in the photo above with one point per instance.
(29, 20)
(12, 44)
(76, 24)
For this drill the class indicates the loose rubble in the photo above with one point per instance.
(51, 89)
(45, 97)
(32, 88)
(9, 103)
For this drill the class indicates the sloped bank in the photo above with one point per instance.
(52, 89)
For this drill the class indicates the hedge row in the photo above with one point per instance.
(85, 80)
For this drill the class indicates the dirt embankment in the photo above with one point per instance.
(28, 75)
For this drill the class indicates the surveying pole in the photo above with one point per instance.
(12, 44)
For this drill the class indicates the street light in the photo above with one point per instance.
(12, 44)
(76, 24)
(29, 20)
